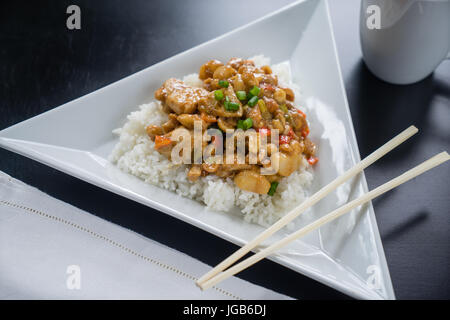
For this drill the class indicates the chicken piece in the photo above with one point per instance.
(236, 63)
(207, 70)
(285, 163)
(252, 181)
(266, 69)
(211, 106)
(238, 83)
(211, 84)
(289, 94)
(180, 97)
(273, 178)
(297, 121)
(297, 147)
(188, 120)
(267, 78)
(280, 96)
(310, 148)
(255, 114)
(153, 130)
(227, 123)
(229, 169)
(210, 167)
(236, 166)
(271, 104)
(171, 124)
(248, 76)
(224, 72)
(194, 173)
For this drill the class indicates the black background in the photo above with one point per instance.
(43, 65)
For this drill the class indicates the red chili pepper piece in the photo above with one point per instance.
(305, 132)
(285, 139)
(301, 113)
(313, 160)
(264, 131)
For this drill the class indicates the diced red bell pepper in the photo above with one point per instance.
(291, 133)
(284, 139)
(264, 131)
(301, 113)
(305, 132)
(313, 160)
(268, 87)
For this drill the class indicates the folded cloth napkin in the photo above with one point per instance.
(52, 250)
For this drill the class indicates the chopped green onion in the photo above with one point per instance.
(241, 95)
(245, 124)
(231, 106)
(273, 188)
(218, 95)
(253, 101)
(284, 108)
(255, 91)
(227, 101)
(262, 106)
(223, 83)
(289, 119)
(248, 123)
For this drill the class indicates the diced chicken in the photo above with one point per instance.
(285, 163)
(188, 120)
(226, 123)
(252, 181)
(255, 114)
(207, 70)
(194, 173)
(180, 97)
(153, 130)
(211, 106)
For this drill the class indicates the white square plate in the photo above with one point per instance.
(347, 254)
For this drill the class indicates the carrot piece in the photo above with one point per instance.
(162, 141)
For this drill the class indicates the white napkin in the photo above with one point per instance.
(52, 250)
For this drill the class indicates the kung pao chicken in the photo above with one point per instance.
(237, 95)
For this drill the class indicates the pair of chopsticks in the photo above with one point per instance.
(217, 274)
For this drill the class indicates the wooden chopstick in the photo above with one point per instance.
(408, 175)
(377, 154)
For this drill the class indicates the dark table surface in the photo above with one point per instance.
(43, 65)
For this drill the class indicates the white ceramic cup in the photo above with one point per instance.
(412, 38)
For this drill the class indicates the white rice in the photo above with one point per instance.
(135, 154)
